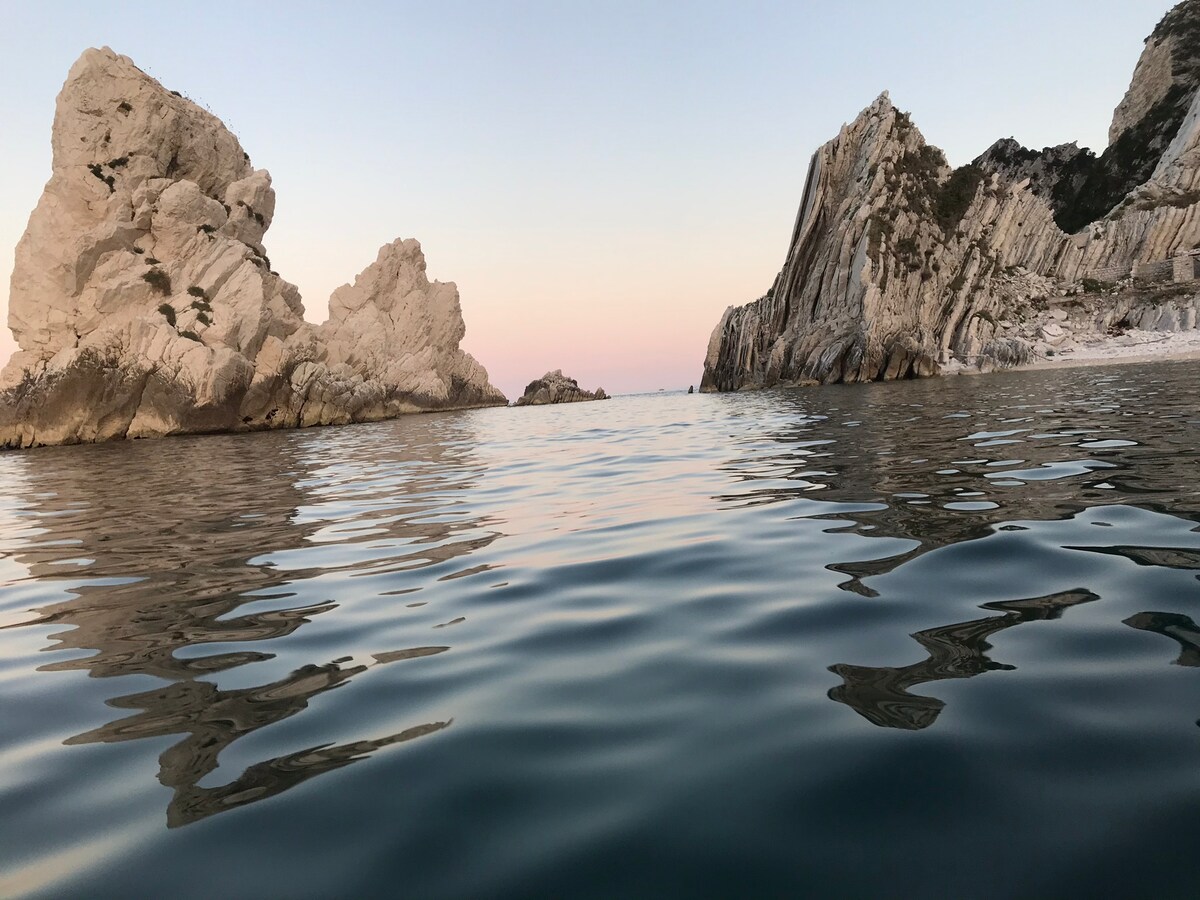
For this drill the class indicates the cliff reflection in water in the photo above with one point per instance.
(1039, 446)
(1024, 446)
(156, 571)
(1179, 628)
(881, 694)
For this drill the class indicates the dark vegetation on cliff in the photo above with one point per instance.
(1089, 185)
(1082, 187)
(920, 185)
(920, 173)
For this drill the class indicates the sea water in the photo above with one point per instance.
(932, 638)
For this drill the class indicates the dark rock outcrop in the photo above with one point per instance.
(555, 387)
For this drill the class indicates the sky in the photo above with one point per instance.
(601, 179)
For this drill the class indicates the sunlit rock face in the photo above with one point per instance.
(143, 302)
(899, 264)
(555, 387)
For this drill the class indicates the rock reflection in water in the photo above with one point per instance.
(1179, 628)
(1166, 557)
(881, 695)
(213, 719)
(165, 568)
(1075, 438)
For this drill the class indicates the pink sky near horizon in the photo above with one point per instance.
(600, 180)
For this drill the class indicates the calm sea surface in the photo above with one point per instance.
(934, 638)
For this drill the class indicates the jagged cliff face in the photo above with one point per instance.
(144, 304)
(896, 262)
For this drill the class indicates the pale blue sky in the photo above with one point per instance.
(601, 179)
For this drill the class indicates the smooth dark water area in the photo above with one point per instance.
(934, 638)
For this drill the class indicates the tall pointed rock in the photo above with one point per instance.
(143, 302)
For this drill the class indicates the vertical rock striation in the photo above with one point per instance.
(897, 262)
(144, 304)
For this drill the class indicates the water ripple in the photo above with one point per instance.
(685, 645)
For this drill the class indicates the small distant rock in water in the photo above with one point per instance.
(691, 389)
(555, 387)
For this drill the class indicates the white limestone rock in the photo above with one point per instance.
(143, 303)
(395, 326)
(1053, 333)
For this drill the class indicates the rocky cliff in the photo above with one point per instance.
(144, 304)
(899, 265)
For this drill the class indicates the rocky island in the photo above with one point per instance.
(900, 266)
(144, 304)
(555, 387)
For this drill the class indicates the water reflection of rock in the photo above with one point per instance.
(1024, 446)
(1166, 557)
(881, 695)
(1179, 628)
(213, 719)
(198, 532)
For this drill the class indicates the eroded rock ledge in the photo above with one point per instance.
(899, 265)
(143, 302)
(555, 387)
